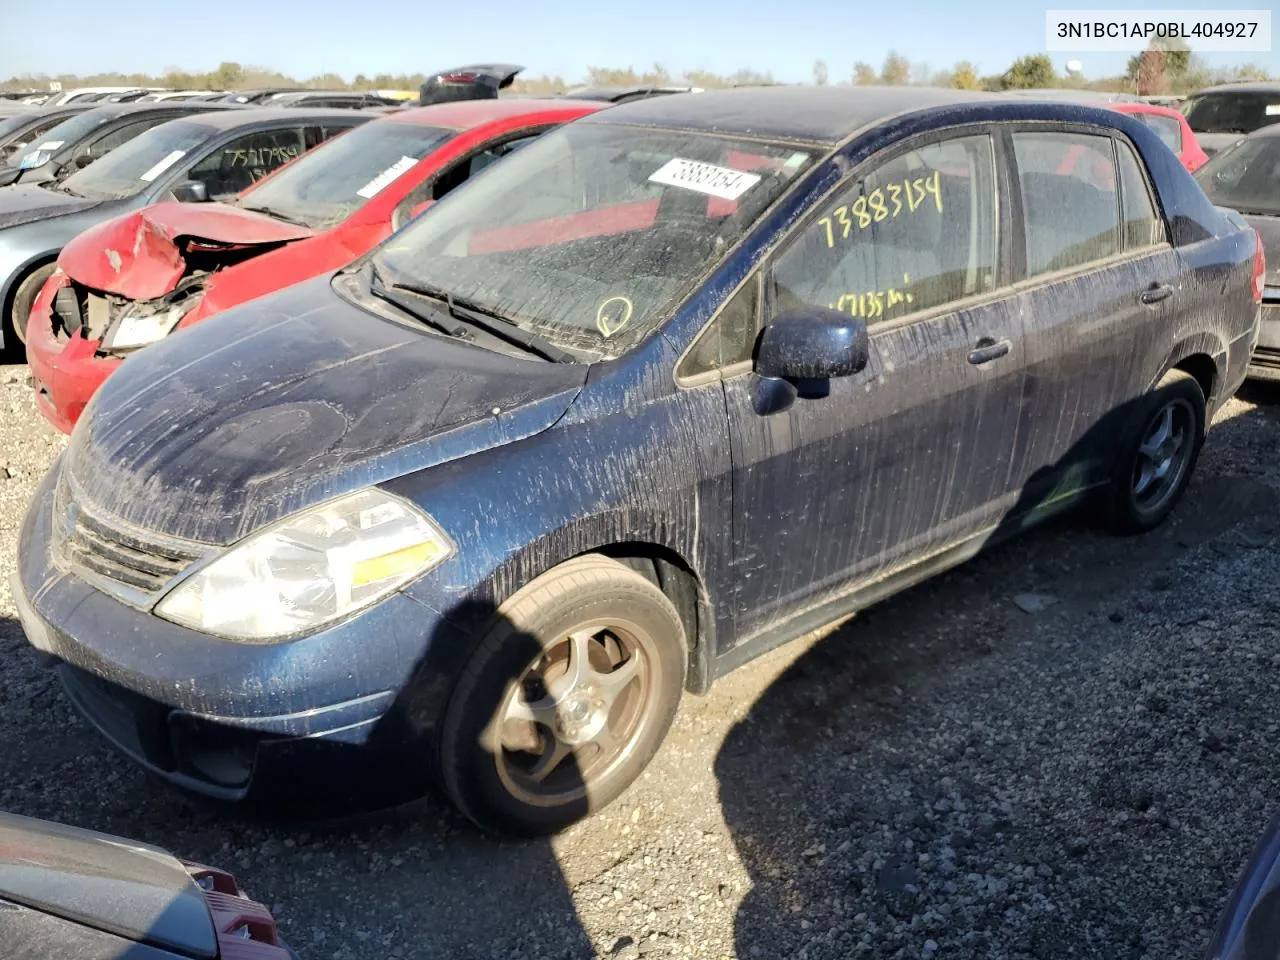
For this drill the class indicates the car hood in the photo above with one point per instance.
(23, 204)
(139, 255)
(1269, 229)
(129, 889)
(291, 399)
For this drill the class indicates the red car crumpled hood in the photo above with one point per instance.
(138, 255)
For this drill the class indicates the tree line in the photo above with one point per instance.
(1163, 68)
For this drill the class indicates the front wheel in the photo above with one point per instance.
(24, 298)
(565, 701)
(1158, 454)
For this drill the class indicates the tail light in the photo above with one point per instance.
(245, 930)
(1259, 270)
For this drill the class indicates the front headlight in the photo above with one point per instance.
(315, 567)
(131, 332)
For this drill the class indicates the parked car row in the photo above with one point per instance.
(455, 449)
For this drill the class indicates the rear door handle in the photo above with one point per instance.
(1155, 293)
(987, 350)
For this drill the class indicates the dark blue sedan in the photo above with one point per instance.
(658, 392)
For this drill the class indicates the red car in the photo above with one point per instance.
(132, 280)
(1171, 127)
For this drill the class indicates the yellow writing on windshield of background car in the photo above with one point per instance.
(883, 203)
(261, 156)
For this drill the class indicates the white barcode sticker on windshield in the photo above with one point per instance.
(705, 178)
(168, 161)
(49, 145)
(382, 180)
(1273, 109)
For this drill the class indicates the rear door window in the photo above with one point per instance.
(1069, 199)
(914, 234)
(1143, 227)
(247, 159)
(123, 134)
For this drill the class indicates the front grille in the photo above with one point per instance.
(132, 564)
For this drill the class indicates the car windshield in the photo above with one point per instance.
(9, 126)
(326, 185)
(1232, 112)
(589, 235)
(1245, 176)
(69, 131)
(135, 164)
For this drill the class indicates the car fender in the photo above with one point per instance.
(14, 271)
(1202, 343)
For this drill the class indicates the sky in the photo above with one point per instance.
(304, 38)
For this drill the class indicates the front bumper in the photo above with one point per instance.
(66, 373)
(338, 719)
(1265, 362)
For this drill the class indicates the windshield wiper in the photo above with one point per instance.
(504, 328)
(433, 318)
(277, 215)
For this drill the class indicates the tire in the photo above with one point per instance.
(521, 702)
(1145, 486)
(24, 299)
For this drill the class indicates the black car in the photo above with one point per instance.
(1220, 116)
(71, 894)
(82, 138)
(663, 389)
(20, 129)
(1246, 177)
(212, 154)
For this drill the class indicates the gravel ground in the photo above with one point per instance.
(947, 775)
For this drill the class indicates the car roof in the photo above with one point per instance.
(465, 114)
(808, 113)
(126, 109)
(1252, 87)
(239, 116)
(1270, 130)
(1075, 96)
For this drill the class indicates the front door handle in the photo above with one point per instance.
(986, 350)
(1155, 293)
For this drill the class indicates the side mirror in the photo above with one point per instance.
(82, 160)
(191, 191)
(812, 343)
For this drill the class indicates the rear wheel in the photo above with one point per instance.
(1158, 454)
(566, 700)
(24, 299)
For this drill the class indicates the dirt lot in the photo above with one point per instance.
(947, 775)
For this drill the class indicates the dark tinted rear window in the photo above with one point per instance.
(1229, 112)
